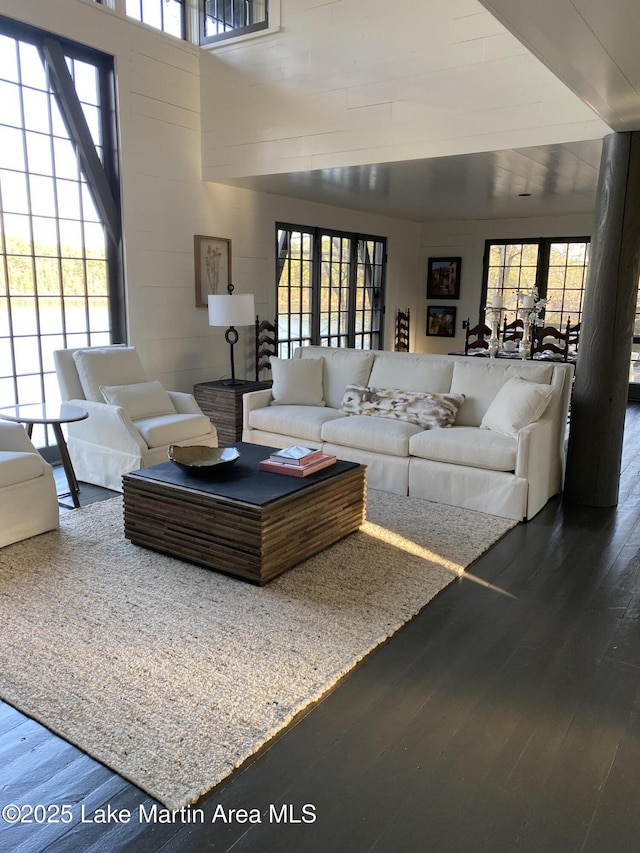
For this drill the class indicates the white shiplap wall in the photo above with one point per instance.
(365, 81)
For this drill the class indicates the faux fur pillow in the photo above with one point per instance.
(429, 411)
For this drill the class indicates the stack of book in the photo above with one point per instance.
(297, 461)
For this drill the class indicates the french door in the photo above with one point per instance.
(330, 288)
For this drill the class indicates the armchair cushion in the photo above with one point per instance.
(107, 366)
(139, 400)
(172, 429)
(18, 466)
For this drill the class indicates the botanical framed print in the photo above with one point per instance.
(443, 278)
(441, 321)
(213, 267)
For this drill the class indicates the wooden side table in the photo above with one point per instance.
(53, 416)
(222, 404)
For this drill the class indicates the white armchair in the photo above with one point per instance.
(28, 500)
(132, 421)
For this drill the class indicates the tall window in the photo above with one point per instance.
(59, 215)
(220, 19)
(165, 15)
(330, 288)
(557, 267)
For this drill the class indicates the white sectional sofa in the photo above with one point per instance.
(504, 453)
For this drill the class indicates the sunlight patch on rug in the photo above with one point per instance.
(171, 674)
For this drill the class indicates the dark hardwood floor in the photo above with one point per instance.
(505, 717)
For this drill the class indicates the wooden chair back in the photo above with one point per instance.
(512, 331)
(476, 337)
(550, 340)
(266, 345)
(402, 331)
(574, 336)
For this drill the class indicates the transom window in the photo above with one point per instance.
(199, 21)
(556, 267)
(59, 215)
(221, 19)
(330, 288)
(165, 15)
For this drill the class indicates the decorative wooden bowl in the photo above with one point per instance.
(201, 459)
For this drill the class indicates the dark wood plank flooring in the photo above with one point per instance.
(505, 717)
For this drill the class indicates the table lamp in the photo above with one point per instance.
(231, 311)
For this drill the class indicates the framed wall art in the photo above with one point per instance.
(213, 266)
(443, 278)
(441, 321)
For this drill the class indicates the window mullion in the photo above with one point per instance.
(353, 287)
(316, 265)
(78, 130)
(542, 275)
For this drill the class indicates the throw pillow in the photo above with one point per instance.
(297, 382)
(341, 367)
(139, 400)
(422, 408)
(517, 404)
(107, 366)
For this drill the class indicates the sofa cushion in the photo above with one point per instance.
(480, 379)
(516, 405)
(139, 400)
(426, 410)
(411, 371)
(17, 466)
(376, 434)
(341, 368)
(297, 382)
(466, 446)
(107, 366)
(304, 422)
(172, 429)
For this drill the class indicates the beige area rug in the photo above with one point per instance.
(171, 674)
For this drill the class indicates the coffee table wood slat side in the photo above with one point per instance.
(247, 541)
(312, 522)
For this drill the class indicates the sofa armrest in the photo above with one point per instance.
(540, 459)
(185, 403)
(14, 437)
(107, 426)
(254, 400)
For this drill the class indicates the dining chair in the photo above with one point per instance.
(476, 337)
(512, 331)
(550, 342)
(266, 345)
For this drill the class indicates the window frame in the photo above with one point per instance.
(351, 335)
(236, 32)
(543, 266)
(100, 175)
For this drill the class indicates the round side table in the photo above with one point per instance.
(53, 416)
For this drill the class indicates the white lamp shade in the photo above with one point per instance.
(230, 310)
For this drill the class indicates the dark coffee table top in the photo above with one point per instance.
(242, 481)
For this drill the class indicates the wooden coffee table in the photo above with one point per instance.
(243, 521)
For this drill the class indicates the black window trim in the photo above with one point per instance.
(542, 269)
(316, 233)
(231, 34)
